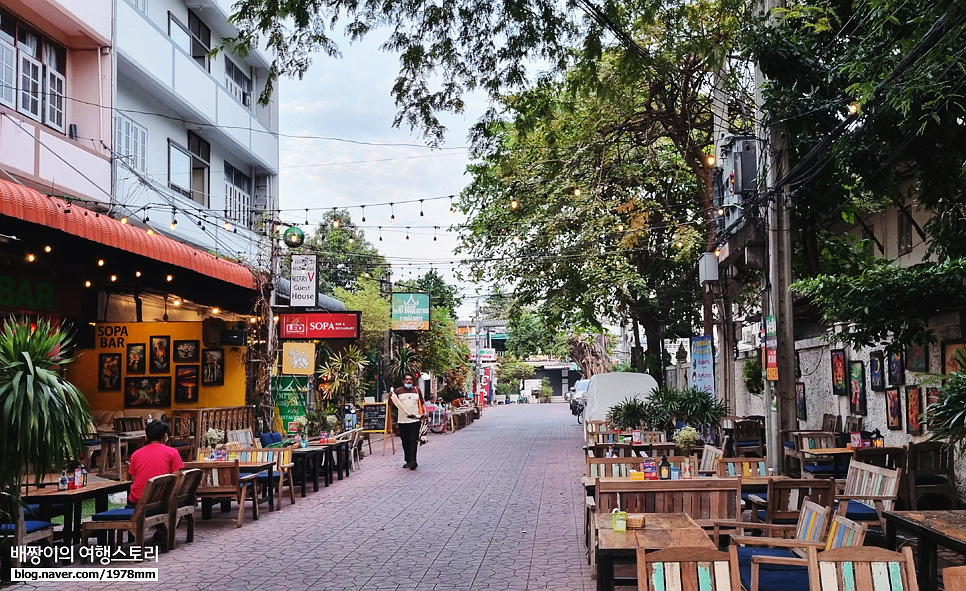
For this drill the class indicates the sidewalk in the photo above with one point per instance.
(495, 506)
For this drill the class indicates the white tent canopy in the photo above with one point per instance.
(608, 389)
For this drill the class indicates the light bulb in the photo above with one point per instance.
(577, 192)
(113, 277)
(31, 257)
(176, 302)
(710, 160)
(216, 311)
(174, 224)
(170, 278)
(124, 220)
(335, 223)
(137, 273)
(100, 263)
(47, 248)
(514, 204)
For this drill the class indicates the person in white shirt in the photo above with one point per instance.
(409, 400)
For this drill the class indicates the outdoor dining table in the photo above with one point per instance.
(836, 454)
(661, 530)
(97, 488)
(309, 463)
(932, 529)
(256, 468)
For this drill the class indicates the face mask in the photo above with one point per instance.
(407, 384)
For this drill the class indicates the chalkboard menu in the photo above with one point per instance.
(375, 418)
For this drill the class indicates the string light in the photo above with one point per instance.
(392, 218)
(31, 258)
(100, 262)
(306, 217)
(176, 302)
(87, 284)
(124, 220)
(514, 203)
(170, 278)
(227, 225)
(335, 222)
(137, 273)
(216, 310)
(113, 277)
(407, 233)
(620, 227)
(577, 192)
(352, 239)
(380, 233)
(150, 231)
(452, 208)
(174, 220)
(853, 108)
(435, 229)
(710, 160)
(47, 248)
(421, 208)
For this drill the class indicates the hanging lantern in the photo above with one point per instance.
(877, 439)
(293, 237)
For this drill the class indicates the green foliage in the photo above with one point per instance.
(529, 336)
(695, 407)
(632, 413)
(546, 390)
(623, 367)
(948, 415)
(511, 370)
(345, 262)
(44, 416)
(375, 307)
(887, 306)
(343, 375)
(439, 348)
(404, 361)
(751, 373)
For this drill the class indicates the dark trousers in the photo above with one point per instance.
(409, 433)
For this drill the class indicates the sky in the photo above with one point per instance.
(349, 99)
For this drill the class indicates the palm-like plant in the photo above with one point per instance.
(947, 416)
(404, 361)
(44, 416)
(344, 374)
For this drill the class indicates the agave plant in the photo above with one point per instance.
(344, 374)
(405, 361)
(947, 416)
(44, 416)
(627, 415)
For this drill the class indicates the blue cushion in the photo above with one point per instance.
(179, 443)
(857, 511)
(761, 517)
(88, 442)
(276, 437)
(790, 444)
(930, 479)
(120, 514)
(265, 476)
(266, 439)
(772, 576)
(29, 526)
(747, 442)
(33, 509)
(824, 469)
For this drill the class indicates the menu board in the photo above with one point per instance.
(375, 417)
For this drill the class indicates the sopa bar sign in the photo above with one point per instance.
(311, 325)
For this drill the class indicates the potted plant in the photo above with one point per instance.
(686, 439)
(546, 390)
(628, 415)
(214, 437)
(947, 416)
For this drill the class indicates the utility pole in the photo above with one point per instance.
(479, 357)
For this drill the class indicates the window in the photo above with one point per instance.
(238, 196)
(141, 5)
(238, 83)
(131, 143)
(194, 39)
(179, 169)
(32, 73)
(188, 168)
(904, 233)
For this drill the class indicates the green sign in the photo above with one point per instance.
(410, 311)
(288, 394)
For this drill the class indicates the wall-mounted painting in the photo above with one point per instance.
(160, 355)
(949, 355)
(897, 371)
(147, 392)
(213, 367)
(186, 383)
(877, 371)
(840, 376)
(136, 358)
(913, 410)
(857, 400)
(917, 358)
(893, 408)
(186, 351)
(109, 371)
(932, 397)
(800, 398)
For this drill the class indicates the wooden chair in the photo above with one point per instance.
(853, 424)
(709, 460)
(153, 509)
(18, 531)
(244, 436)
(813, 467)
(183, 503)
(598, 437)
(653, 437)
(743, 466)
(869, 490)
(785, 497)
(697, 568)
(748, 438)
(862, 568)
(930, 479)
(706, 500)
(280, 476)
(128, 424)
(954, 578)
(831, 423)
(591, 427)
(222, 481)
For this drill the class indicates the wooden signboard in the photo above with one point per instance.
(376, 419)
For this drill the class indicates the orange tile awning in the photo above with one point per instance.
(29, 205)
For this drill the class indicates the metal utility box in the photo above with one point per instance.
(735, 180)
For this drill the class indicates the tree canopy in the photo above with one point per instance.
(346, 256)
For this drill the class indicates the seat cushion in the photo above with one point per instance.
(266, 439)
(930, 479)
(91, 442)
(120, 514)
(761, 517)
(277, 437)
(29, 527)
(747, 442)
(772, 577)
(823, 469)
(790, 444)
(857, 511)
(265, 475)
(33, 509)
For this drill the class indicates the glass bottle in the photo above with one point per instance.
(62, 484)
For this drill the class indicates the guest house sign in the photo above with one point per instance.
(410, 311)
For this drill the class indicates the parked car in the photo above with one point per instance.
(577, 393)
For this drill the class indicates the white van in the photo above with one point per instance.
(606, 390)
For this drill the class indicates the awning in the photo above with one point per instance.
(32, 206)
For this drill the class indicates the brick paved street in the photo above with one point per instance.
(495, 506)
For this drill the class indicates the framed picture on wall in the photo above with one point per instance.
(949, 355)
(802, 411)
(109, 372)
(136, 358)
(893, 409)
(932, 397)
(159, 357)
(913, 410)
(839, 373)
(186, 351)
(917, 358)
(897, 371)
(147, 392)
(877, 371)
(213, 367)
(857, 401)
(186, 383)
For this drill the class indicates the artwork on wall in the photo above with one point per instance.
(949, 355)
(917, 358)
(147, 392)
(109, 371)
(857, 401)
(186, 383)
(160, 354)
(800, 398)
(186, 351)
(213, 367)
(913, 410)
(932, 397)
(135, 358)
(897, 371)
(839, 374)
(893, 408)
(877, 371)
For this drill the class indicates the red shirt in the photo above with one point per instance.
(154, 459)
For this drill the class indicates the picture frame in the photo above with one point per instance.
(802, 408)
(949, 352)
(932, 397)
(839, 373)
(159, 355)
(877, 380)
(913, 410)
(855, 440)
(186, 383)
(897, 370)
(186, 351)
(147, 392)
(857, 397)
(109, 372)
(893, 409)
(136, 358)
(917, 358)
(213, 367)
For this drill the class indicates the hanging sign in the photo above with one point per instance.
(304, 290)
(288, 393)
(298, 359)
(771, 348)
(410, 311)
(320, 325)
(702, 364)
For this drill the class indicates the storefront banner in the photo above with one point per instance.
(288, 394)
(702, 364)
(771, 348)
(410, 311)
(298, 359)
(320, 325)
(304, 280)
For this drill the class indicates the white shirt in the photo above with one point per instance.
(408, 404)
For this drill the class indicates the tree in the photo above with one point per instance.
(529, 335)
(375, 307)
(348, 256)
(441, 295)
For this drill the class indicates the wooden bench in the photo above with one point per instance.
(224, 482)
(706, 500)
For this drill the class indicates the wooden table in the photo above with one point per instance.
(836, 452)
(661, 530)
(97, 489)
(308, 464)
(933, 529)
(112, 444)
(255, 468)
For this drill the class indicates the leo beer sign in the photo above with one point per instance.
(320, 325)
